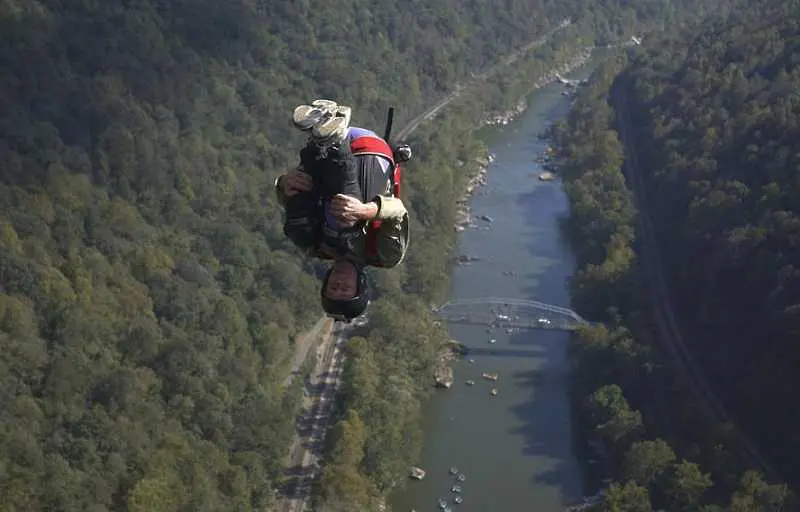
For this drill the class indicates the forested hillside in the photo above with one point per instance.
(148, 296)
(714, 123)
(148, 299)
(719, 123)
(645, 436)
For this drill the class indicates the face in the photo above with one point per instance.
(342, 281)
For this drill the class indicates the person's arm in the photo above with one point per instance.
(289, 184)
(392, 240)
(349, 210)
(388, 208)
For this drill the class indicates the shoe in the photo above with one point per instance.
(305, 117)
(332, 130)
(325, 104)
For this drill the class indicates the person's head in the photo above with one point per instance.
(344, 291)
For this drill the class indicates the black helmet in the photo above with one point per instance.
(348, 309)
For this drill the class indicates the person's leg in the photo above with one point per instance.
(303, 219)
(303, 210)
(362, 177)
(372, 179)
(327, 156)
(373, 175)
(339, 172)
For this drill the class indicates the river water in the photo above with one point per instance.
(515, 448)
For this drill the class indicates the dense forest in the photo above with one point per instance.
(714, 127)
(722, 141)
(148, 300)
(378, 435)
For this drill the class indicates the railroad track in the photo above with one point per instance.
(663, 312)
(305, 458)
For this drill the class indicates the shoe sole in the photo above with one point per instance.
(305, 117)
(325, 119)
(326, 104)
(330, 131)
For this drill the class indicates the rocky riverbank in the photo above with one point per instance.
(443, 375)
(464, 213)
(576, 61)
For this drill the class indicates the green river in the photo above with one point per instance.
(515, 448)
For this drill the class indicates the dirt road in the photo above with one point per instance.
(314, 423)
(304, 343)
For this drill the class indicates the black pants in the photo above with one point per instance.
(361, 177)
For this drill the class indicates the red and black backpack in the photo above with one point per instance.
(374, 145)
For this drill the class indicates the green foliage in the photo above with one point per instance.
(343, 481)
(757, 496)
(148, 298)
(646, 461)
(386, 379)
(602, 217)
(695, 128)
(720, 140)
(686, 486)
(628, 498)
(616, 422)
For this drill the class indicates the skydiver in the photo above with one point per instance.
(342, 203)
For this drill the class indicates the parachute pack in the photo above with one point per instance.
(373, 145)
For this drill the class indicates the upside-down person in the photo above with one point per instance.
(342, 203)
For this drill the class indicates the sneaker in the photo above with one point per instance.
(345, 112)
(325, 104)
(305, 117)
(332, 130)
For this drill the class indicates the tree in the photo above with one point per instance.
(755, 495)
(350, 434)
(686, 486)
(646, 461)
(626, 498)
(342, 479)
(611, 413)
(155, 493)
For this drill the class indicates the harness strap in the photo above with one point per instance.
(372, 238)
(371, 145)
